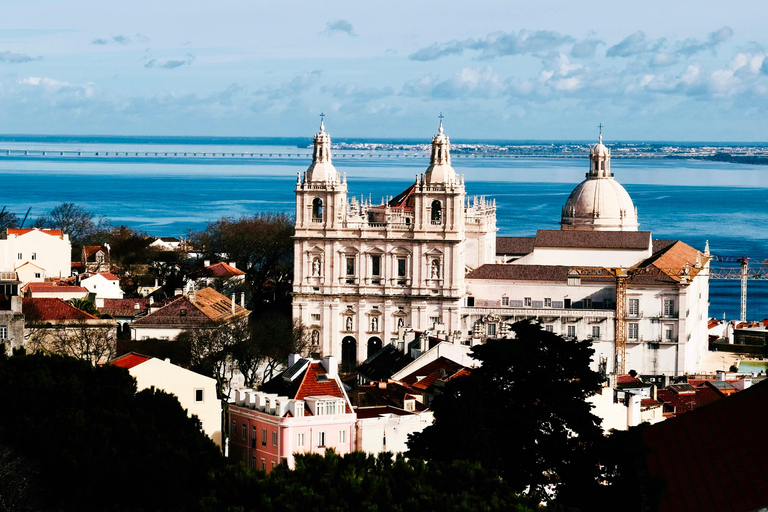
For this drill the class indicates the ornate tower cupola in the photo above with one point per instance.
(440, 170)
(322, 170)
(600, 160)
(599, 203)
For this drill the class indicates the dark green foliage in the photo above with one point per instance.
(8, 220)
(95, 442)
(365, 483)
(522, 413)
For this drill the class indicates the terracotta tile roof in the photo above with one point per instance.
(90, 251)
(130, 360)
(431, 372)
(109, 276)
(683, 403)
(709, 459)
(44, 310)
(531, 273)
(307, 385)
(125, 307)
(403, 200)
(627, 379)
(518, 245)
(52, 287)
(674, 259)
(19, 232)
(220, 269)
(209, 307)
(143, 303)
(593, 239)
(393, 394)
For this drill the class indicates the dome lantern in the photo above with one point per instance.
(599, 203)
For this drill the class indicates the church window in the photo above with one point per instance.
(401, 267)
(350, 266)
(434, 319)
(491, 329)
(437, 212)
(315, 317)
(376, 266)
(317, 210)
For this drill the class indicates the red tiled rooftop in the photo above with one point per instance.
(44, 309)
(628, 379)
(130, 360)
(109, 276)
(52, 287)
(310, 386)
(220, 269)
(19, 232)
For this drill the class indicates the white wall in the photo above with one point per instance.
(52, 253)
(372, 431)
(183, 383)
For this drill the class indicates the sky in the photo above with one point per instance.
(680, 70)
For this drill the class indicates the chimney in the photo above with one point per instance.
(633, 409)
(156, 285)
(233, 264)
(292, 359)
(233, 303)
(242, 300)
(331, 365)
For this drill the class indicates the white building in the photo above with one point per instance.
(600, 278)
(196, 393)
(361, 271)
(104, 285)
(36, 253)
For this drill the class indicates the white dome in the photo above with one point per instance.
(599, 203)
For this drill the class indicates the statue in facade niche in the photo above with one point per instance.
(349, 323)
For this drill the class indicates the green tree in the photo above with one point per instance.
(85, 305)
(360, 482)
(95, 443)
(262, 246)
(523, 413)
(8, 220)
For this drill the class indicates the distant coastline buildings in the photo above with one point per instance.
(428, 260)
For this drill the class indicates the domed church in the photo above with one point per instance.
(643, 302)
(428, 260)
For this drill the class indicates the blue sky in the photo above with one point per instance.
(672, 70)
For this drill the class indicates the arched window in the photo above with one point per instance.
(317, 209)
(437, 212)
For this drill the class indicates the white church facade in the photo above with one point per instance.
(430, 260)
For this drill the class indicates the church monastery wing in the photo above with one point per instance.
(428, 261)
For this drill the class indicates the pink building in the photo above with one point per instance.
(303, 410)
